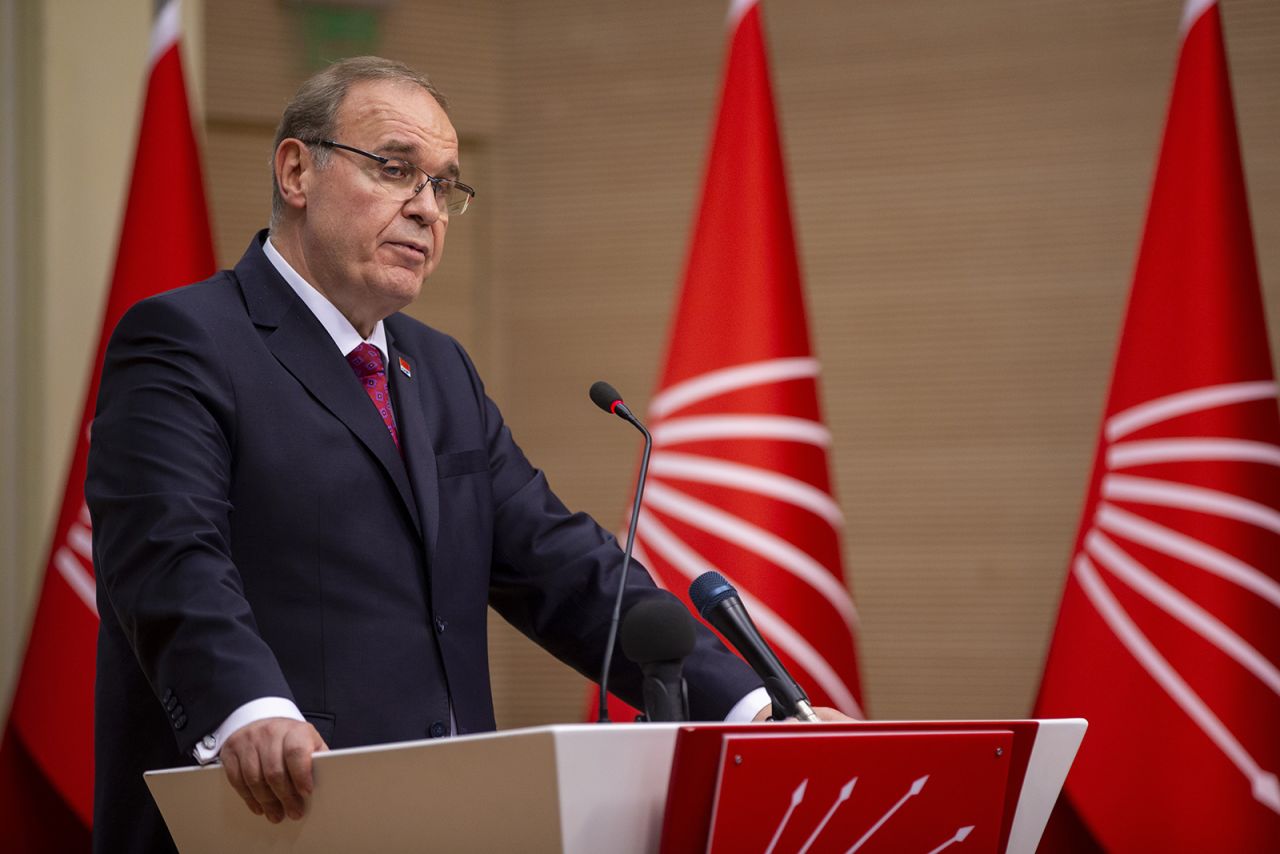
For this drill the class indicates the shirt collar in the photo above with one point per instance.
(344, 335)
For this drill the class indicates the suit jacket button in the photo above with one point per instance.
(170, 702)
(437, 729)
(180, 721)
(441, 625)
(168, 695)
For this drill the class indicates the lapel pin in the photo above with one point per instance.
(404, 368)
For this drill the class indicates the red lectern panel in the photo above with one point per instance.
(703, 770)
(828, 793)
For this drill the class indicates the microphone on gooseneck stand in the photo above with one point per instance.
(607, 398)
(718, 603)
(658, 635)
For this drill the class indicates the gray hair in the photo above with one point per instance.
(313, 112)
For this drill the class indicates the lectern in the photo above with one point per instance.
(903, 786)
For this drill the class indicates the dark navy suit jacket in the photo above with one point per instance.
(256, 533)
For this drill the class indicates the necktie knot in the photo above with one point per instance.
(366, 360)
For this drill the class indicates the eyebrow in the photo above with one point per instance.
(406, 151)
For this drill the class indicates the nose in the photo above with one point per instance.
(423, 207)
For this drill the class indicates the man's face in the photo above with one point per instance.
(366, 250)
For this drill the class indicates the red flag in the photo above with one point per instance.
(165, 242)
(739, 480)
(1168, 637)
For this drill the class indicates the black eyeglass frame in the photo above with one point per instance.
(431, 179)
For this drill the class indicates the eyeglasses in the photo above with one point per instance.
(400, 179)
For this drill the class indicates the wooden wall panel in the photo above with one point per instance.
(969, 183)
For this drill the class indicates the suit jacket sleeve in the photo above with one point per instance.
(159, 471)
(555, 577)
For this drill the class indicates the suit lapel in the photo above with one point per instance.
(408, 398)
(302, 346)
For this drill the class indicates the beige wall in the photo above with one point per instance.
(969, 182)
(13, 601)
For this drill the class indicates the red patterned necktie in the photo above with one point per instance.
(366, 361)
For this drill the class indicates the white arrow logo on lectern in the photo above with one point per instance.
(796, 797)
(845, 791)
(960, 836)
(911, 793)
(844, 795)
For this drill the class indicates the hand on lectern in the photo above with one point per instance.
(824, 713)
(268, 763)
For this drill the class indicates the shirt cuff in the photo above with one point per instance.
(210, 746)
(746, 709)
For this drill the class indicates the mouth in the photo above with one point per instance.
(413, 253)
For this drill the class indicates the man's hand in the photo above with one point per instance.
(268, 763)
(824, 713)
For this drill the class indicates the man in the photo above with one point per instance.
(303, 501)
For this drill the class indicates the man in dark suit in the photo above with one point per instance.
(303, 501)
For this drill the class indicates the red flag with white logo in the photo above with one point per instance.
(46, 763)
(739, 479)
(1168, 637)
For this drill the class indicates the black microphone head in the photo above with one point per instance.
(708, 590)
(604, 396)
(657, 630)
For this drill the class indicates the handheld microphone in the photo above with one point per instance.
(607, 398)
(658, 635)
(718, 603)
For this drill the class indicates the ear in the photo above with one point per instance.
(293, 164)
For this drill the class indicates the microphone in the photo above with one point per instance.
(658, 634)
(607, 398)
(718, 603)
